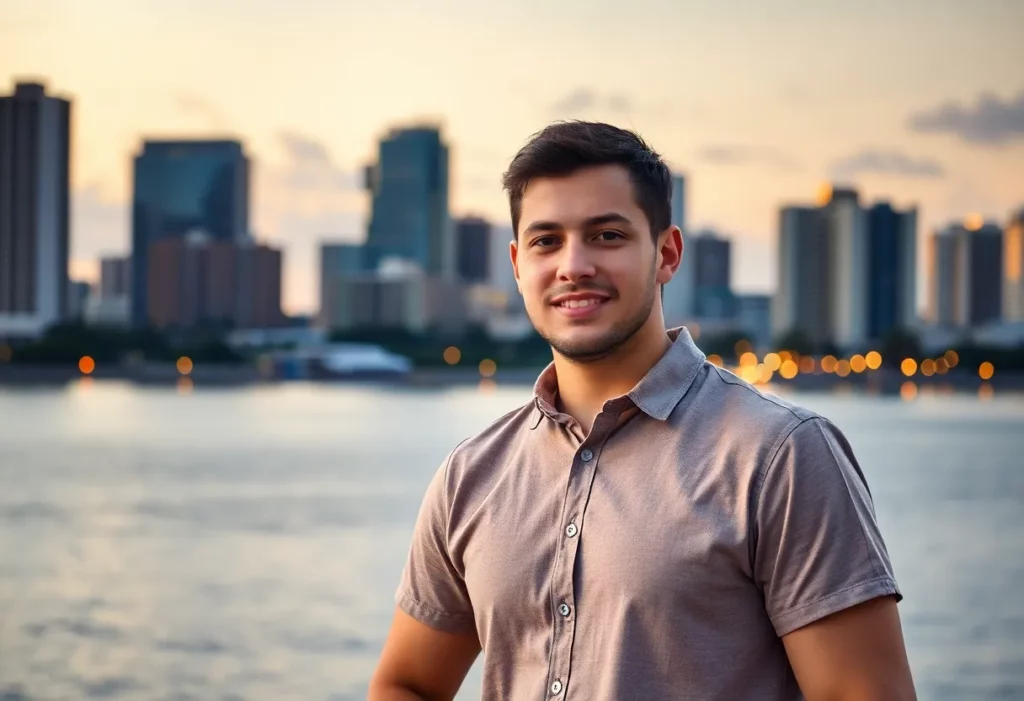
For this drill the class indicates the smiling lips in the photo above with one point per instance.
(577, 306)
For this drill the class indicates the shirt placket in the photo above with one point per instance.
(563, 594)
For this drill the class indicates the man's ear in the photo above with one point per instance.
(670, 253)
(513, 253)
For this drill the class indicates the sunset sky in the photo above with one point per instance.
(757, 102)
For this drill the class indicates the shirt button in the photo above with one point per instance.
(564, 609)
(556, 688)
(586, 455)
(571, 530)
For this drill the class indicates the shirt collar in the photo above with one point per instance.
(656, 394)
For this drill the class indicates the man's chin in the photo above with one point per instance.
(585, 346)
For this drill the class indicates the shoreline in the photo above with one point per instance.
(884, 381)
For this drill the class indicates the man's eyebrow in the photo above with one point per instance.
(589, 223)
(538, 226)
(608, 218)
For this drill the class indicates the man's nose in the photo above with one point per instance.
(575, 261)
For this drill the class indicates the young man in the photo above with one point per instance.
(648, 526)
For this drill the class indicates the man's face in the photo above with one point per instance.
(585, 261)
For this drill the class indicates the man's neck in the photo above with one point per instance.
(583, 388)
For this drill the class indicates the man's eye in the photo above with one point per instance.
(544, 241)
(610, 235)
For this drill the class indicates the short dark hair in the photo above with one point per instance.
(563, 148)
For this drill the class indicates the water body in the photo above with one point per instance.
(246, 543)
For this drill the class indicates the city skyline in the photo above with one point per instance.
(768, 103)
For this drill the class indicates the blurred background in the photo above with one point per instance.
(254, 285)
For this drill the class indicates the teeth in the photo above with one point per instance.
(576, 303)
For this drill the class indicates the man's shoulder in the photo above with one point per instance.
(735, 402)
(490, 446)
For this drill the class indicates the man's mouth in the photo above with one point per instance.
(582, 303)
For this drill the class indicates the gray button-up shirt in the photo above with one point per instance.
(659, 557)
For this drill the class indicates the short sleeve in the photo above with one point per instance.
(818, 548)
(431, 589)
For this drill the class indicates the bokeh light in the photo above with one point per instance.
(927, 367)
(488, 367)
(86, 365)
(184, 365)
(828, 363)
(452, 355)
(789, 369)
(873, 360)
(908, 367)
(858, 364)
(807, 364)
(986, 370)
(843, 367)
(773, 361)
(908, 391)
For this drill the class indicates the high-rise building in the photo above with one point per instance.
(1013, 268)
(409, 217)
(846, 273)
(943, 281)
(338, 262)
(985, 266)
(182, 187)
(892, 269)
(115, 277)
(399, 296)
(966, 262)
(473, 249)
(678, 294)
(35, 148)
(196, 281)
(258, 287)
(754, 317)
(79, 293)
(711, 256)
(803, 298)
(848, 267)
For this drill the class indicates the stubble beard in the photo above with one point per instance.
(604, 346)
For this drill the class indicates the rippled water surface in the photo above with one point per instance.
(245, 544)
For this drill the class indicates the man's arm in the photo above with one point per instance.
(419, 662)
(854, 655)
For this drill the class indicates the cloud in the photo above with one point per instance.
(990, 121)
(306, 199)
(203, 108)
(875, 162)
(732, 154)
(583, 100)
(312, 169)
